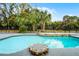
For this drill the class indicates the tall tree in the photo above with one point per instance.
(45, 17)
(33, 18)
(66, 18)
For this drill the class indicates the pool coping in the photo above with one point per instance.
(8, 35)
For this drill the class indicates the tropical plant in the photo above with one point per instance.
(24, 17)
(22, 29)
(45, 17)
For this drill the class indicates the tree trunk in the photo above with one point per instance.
(33, 27)
(76, 30)
(43, 28)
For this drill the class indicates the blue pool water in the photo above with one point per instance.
(18, 43)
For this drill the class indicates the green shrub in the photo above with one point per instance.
(22, 29)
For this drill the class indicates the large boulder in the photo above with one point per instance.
(38, 49)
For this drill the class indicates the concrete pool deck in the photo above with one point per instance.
(52, 52)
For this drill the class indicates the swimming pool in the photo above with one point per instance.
(18, 43)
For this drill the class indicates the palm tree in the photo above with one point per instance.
(24, 6)
(66, 18)
(33, 17)
(22, 14)
(5, 13)
(4, 10)
(45, 17)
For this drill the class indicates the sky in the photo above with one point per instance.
(58, 10)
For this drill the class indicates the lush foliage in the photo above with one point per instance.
(22, 29)
(24, 17)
